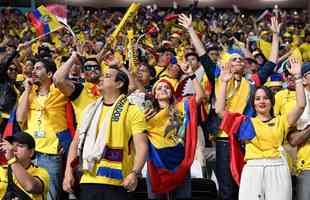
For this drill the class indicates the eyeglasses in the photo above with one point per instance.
(91, 67)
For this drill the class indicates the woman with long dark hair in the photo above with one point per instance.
(172, 135)
(265, 174)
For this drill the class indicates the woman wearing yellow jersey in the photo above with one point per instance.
(165, 138)
(266, 174)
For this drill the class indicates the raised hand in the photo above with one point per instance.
(23, 46)
(226, 74)
(8, 148)
(275, 26)
(295, 68)
(28, 83)
(185, 21)
(187, 69)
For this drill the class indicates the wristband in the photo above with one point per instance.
(12, 161)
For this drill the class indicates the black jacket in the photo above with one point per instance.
(8, 95)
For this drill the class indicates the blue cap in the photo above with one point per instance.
(173, 60)
(305, 68)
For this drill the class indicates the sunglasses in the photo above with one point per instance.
(236, 59)
(91, 67)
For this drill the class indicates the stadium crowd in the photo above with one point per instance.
(82, 111)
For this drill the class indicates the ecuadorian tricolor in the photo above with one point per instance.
(168, 165)
(43, 21)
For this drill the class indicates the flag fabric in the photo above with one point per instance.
(10, 128)
(12, 125)
(60, 11)
(71, 121)
(239, 128)
(43, 21)
(168, 167)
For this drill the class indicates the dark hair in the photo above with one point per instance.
(48, 64)
(270, 96)
(122, 76)
(151, 69)
(91, 59)
(213, 48)
(191, 54)
(163, 50)
(31, 59)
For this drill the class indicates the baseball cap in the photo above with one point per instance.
(305, 68)
(22, 138)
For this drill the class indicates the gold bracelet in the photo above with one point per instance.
(12, 161)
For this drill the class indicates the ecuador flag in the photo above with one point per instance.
(43, 21)
(168, 166)
(239, 128)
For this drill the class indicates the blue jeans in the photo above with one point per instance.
(183, 191)
(228, 189)
(53, 164)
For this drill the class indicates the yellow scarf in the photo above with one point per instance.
(237, 95)
(114, 138)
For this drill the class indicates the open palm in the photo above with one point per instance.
(226, 74)
(295, 68)
(185, 21)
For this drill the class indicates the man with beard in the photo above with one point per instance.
(81, 94)
(42, 112)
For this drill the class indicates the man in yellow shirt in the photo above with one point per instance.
(104, 142)
(300, 138)
(81, 94)
(42, 112)
(21, 179)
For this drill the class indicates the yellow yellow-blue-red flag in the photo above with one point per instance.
(43, 21)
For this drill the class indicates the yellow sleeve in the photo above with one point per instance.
(277, 105)
(137, 123)
(283, 124)
(42, 174)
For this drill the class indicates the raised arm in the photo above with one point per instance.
(268, 68)
(205, 60)
(66, 86)
(186, 22)
(200, 94)
(225, 76)
(23, 106)
(297, 111)
(275, 28)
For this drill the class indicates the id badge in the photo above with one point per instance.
(39, 134)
